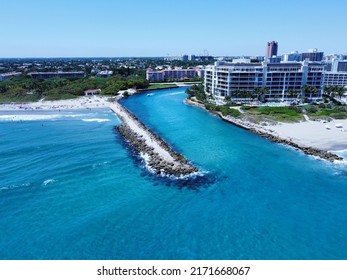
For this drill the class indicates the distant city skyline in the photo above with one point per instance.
(150, 28)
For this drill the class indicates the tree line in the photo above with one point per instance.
(58, 88)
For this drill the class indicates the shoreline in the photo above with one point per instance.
(291, 134)
(272, 135)
(83, 102)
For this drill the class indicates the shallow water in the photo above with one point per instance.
(70, 188)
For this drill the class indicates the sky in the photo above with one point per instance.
(114, 28)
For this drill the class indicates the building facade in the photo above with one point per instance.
(336, 72)
(104, 74)
(173, 74)
(335, 78)
(312, 55)
(282, 80)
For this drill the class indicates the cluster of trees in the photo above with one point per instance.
(255, 95)
(197, 91)
(67, 88)
(311, 90)
(225, 110)
(334, 91)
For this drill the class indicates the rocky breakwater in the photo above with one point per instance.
(160, 157)
(307, 150)
(257, 129)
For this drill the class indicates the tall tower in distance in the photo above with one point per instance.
(271, 49)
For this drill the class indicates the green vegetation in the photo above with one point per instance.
(225, 110)
(26, 89)
(334, 91)
(161, 86)
(197, 91)
(326, 110)
(279, 114)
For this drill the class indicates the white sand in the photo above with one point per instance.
(85, 102)
(133, 124)
(313, 134)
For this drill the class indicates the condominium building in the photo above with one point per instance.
(335, 78)
(173, 74)
(226, 79)
(48, 75)
(336, 72)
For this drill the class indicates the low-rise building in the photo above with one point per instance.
(48, 75)
(89, 92)
(104, 74)
(6, 76)
(173, 74)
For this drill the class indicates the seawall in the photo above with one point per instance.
(160, 157)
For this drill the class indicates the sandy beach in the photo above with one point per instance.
(325, 136)
(85, 102)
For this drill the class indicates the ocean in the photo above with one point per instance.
(71, 188)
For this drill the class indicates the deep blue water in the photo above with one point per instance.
(71, 189)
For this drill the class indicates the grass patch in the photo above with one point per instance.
(278, 114)
(225, 110)
(7, 98)
(161, 86)
(336, 112)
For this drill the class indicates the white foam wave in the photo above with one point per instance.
(146, 159)
(97, 165)
(16, 118)
(15, 186)
(48, 181)
(174, 93)
(75, 115)
(96, 120)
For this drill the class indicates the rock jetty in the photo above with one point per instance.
(160, 157)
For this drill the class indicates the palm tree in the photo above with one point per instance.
(313, 90)
(227, 99)
(257, 92)
(304, 89)
(291, 93)
(341, 91)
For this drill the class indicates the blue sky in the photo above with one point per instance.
(70, 28)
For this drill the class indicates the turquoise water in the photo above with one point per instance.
(70, 188)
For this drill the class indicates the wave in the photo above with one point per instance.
(75, 115)
(11, 187)
(97, 165)
(48, 181)
(96, 120)
(174, 93)
(16, 118)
